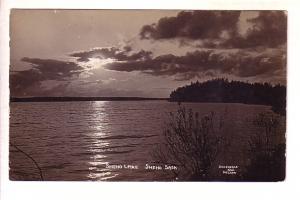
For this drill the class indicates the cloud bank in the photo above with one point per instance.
(220, 29)
(198, 63)
(124, 54)
(30, 81)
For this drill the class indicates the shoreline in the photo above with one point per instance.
(64, 99)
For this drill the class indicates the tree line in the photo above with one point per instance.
(224, 91)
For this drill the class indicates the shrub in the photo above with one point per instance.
(191, 142)
(267, 150)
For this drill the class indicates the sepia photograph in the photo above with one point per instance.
(147, 95)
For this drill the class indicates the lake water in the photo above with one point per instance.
(79, 140)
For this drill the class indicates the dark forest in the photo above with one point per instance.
(225, 91)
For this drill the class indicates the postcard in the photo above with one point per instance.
(147, 95)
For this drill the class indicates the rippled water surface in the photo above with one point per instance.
(76, 140)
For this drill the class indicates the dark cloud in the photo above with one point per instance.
(53, 69)
(124, 54)
(193, 25)
(29, 82)
(219, 29)
(199, 63)
(269, 29)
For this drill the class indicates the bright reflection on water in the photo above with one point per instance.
(98, 170)
(76, 140)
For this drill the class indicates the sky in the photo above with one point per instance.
(141, 53)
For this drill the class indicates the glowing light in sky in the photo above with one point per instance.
(95, 63)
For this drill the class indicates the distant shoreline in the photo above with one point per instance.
(68, 99)
(62, 99)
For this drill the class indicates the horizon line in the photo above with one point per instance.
(72, 98)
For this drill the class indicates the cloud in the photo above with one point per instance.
(124, 54)
(193, 25)
(207, 62)
(53, 69)
(30, 81)
(220, 29)
(268, 29)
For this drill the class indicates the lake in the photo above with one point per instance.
(108, 140)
